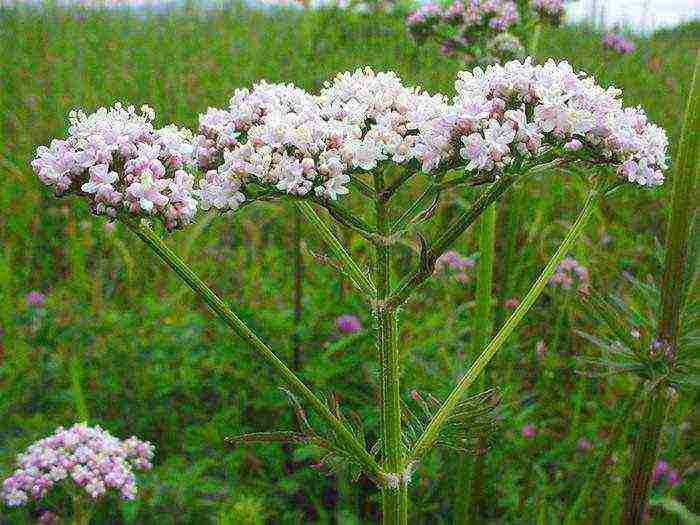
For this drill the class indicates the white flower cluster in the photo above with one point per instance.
(91, 457)
(507, 112)
(282, 136)
(117, 159)
(278, 138)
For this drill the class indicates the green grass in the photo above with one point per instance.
(151, 354)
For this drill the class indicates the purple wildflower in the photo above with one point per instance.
(529, 431)
(673, 478)
(90, 457)
(454, 261)
(569, 271)
(660, 470)
(618, 43)
(348, 324)
(35, 299)
(584, 445)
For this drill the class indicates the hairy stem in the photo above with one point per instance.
(427, 439)
(672, 297)
(241, 329)
(394, 498)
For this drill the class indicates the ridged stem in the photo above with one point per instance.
(427, 439)
(577, 512)
(394, 498)
(241, 329)
(359, 278)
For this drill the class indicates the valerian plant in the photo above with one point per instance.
(484, 31)
(368, 134)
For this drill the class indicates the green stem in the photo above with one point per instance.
(427, 439)
(360, 279)
(449, 236)
(241, 329)
(535, 41)
(672, 297)
(298, 291)
(645, 452)
(394, 498)
(82, 513)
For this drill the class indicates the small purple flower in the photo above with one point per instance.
(584, 445)
(348, 324)
(35, 299)
(454, 261)
(529, 431)
(660, 470)
(673, 478)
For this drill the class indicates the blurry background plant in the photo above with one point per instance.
(484, 31)
(112, 306)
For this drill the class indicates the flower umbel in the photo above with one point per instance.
(89, 457)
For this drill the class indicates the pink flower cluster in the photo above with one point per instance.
(568, 273)
(348, 324)
(119, 161)
(618, 43)
(498, 15)
(424, 16)
(549, 9)
(278, 136)
(508, 113)
(454, 261)
(466, 22)
(279, 139)
(92, 458)
(663, 470)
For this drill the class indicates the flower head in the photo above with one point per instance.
(89, 457)
(552, 10)
(276, 140)
(528, 431)
(117, 160)
(35, 299)
(618, 43)
(570, 272)
(348, 324)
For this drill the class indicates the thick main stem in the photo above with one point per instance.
(672, 298)
(427, 439)
(394, 496)
(241, 329)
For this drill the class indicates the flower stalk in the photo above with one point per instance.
(482, 331)
(224, 313)
(427, 439)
